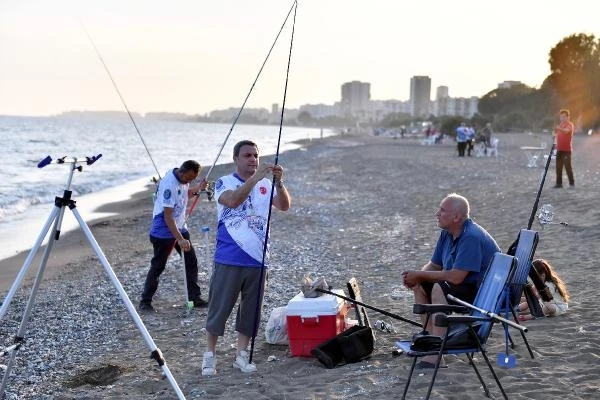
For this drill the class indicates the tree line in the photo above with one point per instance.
(573, 83)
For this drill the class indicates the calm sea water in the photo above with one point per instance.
(27, 192)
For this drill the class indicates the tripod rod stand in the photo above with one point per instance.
(56, 218)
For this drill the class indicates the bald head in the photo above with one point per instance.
(459, 204)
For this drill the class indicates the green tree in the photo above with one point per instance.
(304, 118)
(575, 77)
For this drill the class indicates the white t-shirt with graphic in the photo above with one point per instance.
(241, 230)
(173, 194)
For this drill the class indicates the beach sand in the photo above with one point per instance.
(362, 207)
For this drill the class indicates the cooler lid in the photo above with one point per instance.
(327, 304)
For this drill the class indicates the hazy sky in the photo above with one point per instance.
(195, 56)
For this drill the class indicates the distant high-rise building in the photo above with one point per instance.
(441, 92)
(356, 96)
(509, 84)
(420, 96)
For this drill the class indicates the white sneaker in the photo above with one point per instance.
(209, 364)
(241, 362)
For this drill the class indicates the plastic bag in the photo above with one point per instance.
(276, 330)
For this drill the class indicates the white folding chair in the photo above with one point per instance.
(493, 149)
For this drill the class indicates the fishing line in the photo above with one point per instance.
(121, 97)
(197, 195)
(252, 87)
(262, 269)
(244, 104)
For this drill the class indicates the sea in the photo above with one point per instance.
(126, 163)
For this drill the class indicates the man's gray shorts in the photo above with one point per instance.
(226, 284)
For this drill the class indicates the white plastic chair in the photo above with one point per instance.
(428, 141)
(480, 149)
(493, 149)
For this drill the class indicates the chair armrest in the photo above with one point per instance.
(437, 308)
(444, 320)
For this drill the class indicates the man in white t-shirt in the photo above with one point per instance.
(243, 205)
(169, 230)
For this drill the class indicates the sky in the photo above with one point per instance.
(195, 56)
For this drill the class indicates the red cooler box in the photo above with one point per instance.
(311, 321)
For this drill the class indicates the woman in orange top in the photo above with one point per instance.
(563, 134)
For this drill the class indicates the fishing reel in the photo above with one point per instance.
(546, 216)
(210, 190)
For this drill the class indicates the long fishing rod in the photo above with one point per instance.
(252, 87)
(121, 97)
(379, 310)
(243, 105)
(539, 284)
(208, 190)
(539, 192)
(265, 246)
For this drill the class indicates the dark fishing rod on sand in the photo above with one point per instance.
(379, 310)
(265, 246)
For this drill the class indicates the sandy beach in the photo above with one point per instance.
(363, 207)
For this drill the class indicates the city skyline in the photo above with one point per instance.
(193, 58)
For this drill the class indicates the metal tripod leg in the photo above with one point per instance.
(156, 353)
(27, 263)
(57, 217)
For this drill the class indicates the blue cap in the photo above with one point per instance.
(204, 229)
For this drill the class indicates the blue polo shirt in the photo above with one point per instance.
(472, 251)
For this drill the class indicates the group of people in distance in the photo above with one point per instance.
(467, 136)
(461, 256)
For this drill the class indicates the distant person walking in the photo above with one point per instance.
(487, 134)
(563, 134)
(470, 139)
(461, 139)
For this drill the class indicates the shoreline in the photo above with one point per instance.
(363, 206)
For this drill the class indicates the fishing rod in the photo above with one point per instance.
(208, 189)
(539, 284)
(247, 97)
(143, 142)
(489, 314)
(265, 246)
(122, 99)
(379, 310)
(539, 192)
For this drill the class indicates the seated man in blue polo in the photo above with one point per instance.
(460, 259)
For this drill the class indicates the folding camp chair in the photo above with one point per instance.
(526, 244)
(466, 334)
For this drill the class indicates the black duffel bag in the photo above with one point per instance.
(352, 345)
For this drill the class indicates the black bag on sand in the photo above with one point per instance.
(458, 337)
(352, 345)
